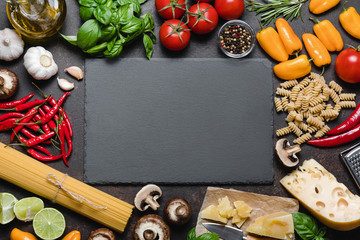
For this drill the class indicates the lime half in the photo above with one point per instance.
(49, 224)
(7, 202)
(26, 208)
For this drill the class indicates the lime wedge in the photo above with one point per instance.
(7, 202)
(49, 224)
(26, 208)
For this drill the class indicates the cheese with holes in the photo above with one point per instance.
(278, 225)
(328, 200)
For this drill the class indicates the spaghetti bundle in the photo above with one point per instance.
(40, 179)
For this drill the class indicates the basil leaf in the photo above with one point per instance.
(125, 12)
(134, 3)
(208, 236)
(107, 33)
(305, 226)
(135, 25)
(116, 50)
(88, 34)
(100, 2)
(149, 22)
(70, 39)
(111, 44)
(109, 3)
(86, 13)
(98, 48)
(142, 1)
(148, 44)
(191, 235)
(88, 3)
(103, 14)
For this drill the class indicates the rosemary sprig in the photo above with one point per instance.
(290, 9)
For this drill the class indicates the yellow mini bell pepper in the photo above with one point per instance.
(287, 35)
(350, 21)
(271, 43)
(320, 6)
(74, 235)
(328, 35)
(17, 234)
(293, 69)
(316, 50)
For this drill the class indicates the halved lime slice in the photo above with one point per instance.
(26, 208)
(49, 224)
(7, 202)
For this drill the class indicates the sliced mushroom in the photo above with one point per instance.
(102, 234)
(286, 153)
(147, 197)
(151, 227)
(177, 211)
(8, 83)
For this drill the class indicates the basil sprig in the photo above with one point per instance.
(206, 236)
(306, 227)
(109, 25)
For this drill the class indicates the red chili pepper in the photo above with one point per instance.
(43, 158)
(27, 133)
(68, 139)
(39, 139)
(6, 105)
(337, 139)
(35, 128)
(44, 126)
(11, 115)
(62, 142)
(28, 105)
(38, 147)
(26, 119)
(348, 124)
(8, 124)
(51, 123)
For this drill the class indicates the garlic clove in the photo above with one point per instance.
(65, 84)
(75, 71)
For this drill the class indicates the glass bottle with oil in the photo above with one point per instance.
(36, 19)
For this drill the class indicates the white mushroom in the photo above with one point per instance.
(147, 197)
(8, 83)
(11, 45)
(286, 153)
(151, 227)
(102, 234)
(177, 211)
(40, 63)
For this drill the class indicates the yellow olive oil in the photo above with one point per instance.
(36, 19)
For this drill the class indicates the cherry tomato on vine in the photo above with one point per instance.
(207, 1)
(174, 35)
(347, 65)
(229, 9)
(170, 9)
(203, 18)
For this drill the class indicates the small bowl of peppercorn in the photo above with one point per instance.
(236, 38)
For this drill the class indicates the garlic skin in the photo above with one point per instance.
(39, 63)
(65, 84)
(75, 72)
(11, 45)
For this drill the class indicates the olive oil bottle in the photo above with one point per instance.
(36, 19)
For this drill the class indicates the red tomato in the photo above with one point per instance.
(179, 35)
(170, 9)
(203, 18)
(203, 1)
(347, 65)
(229, 9)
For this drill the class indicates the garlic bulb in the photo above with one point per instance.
(11, 45)
(40, 63)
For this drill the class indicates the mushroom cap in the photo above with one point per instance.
(286, 153)
(177, 211)
(101, 234)
(8, 83)
(147, 197)
(150, 227)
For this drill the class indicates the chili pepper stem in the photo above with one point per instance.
(261, 26)
(322, 71)
(314, 19)
(38, 88)
(344, 9)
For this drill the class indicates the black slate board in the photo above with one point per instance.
(178, 121)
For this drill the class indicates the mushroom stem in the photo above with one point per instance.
(153, 204)
(293, 149)
(180, 211)
(149, 234)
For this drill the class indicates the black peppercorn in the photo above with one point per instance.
(235, 39)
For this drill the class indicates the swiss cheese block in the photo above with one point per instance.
(328, 200)
(278, 225)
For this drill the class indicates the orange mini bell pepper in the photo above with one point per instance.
(316, 50)
(287, 35)
(350, 21)
(271, 43)
(293, 69)
(74, 235)
(320, 6)
(17, 234)
(328, 35)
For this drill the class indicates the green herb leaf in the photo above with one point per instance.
(100, 2)
(88, 3)
(125, 13)
(103, 14)
(98, 48)
(142, 1)
(135, 25)
(116, 50)
(208, 236)
(191, 234)
(88, 34)
(148, 44)
(306, 227)
(107, 33)
(86, 13)
(111, 44)
(134, 3)
(149, 22)
(70, 39)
